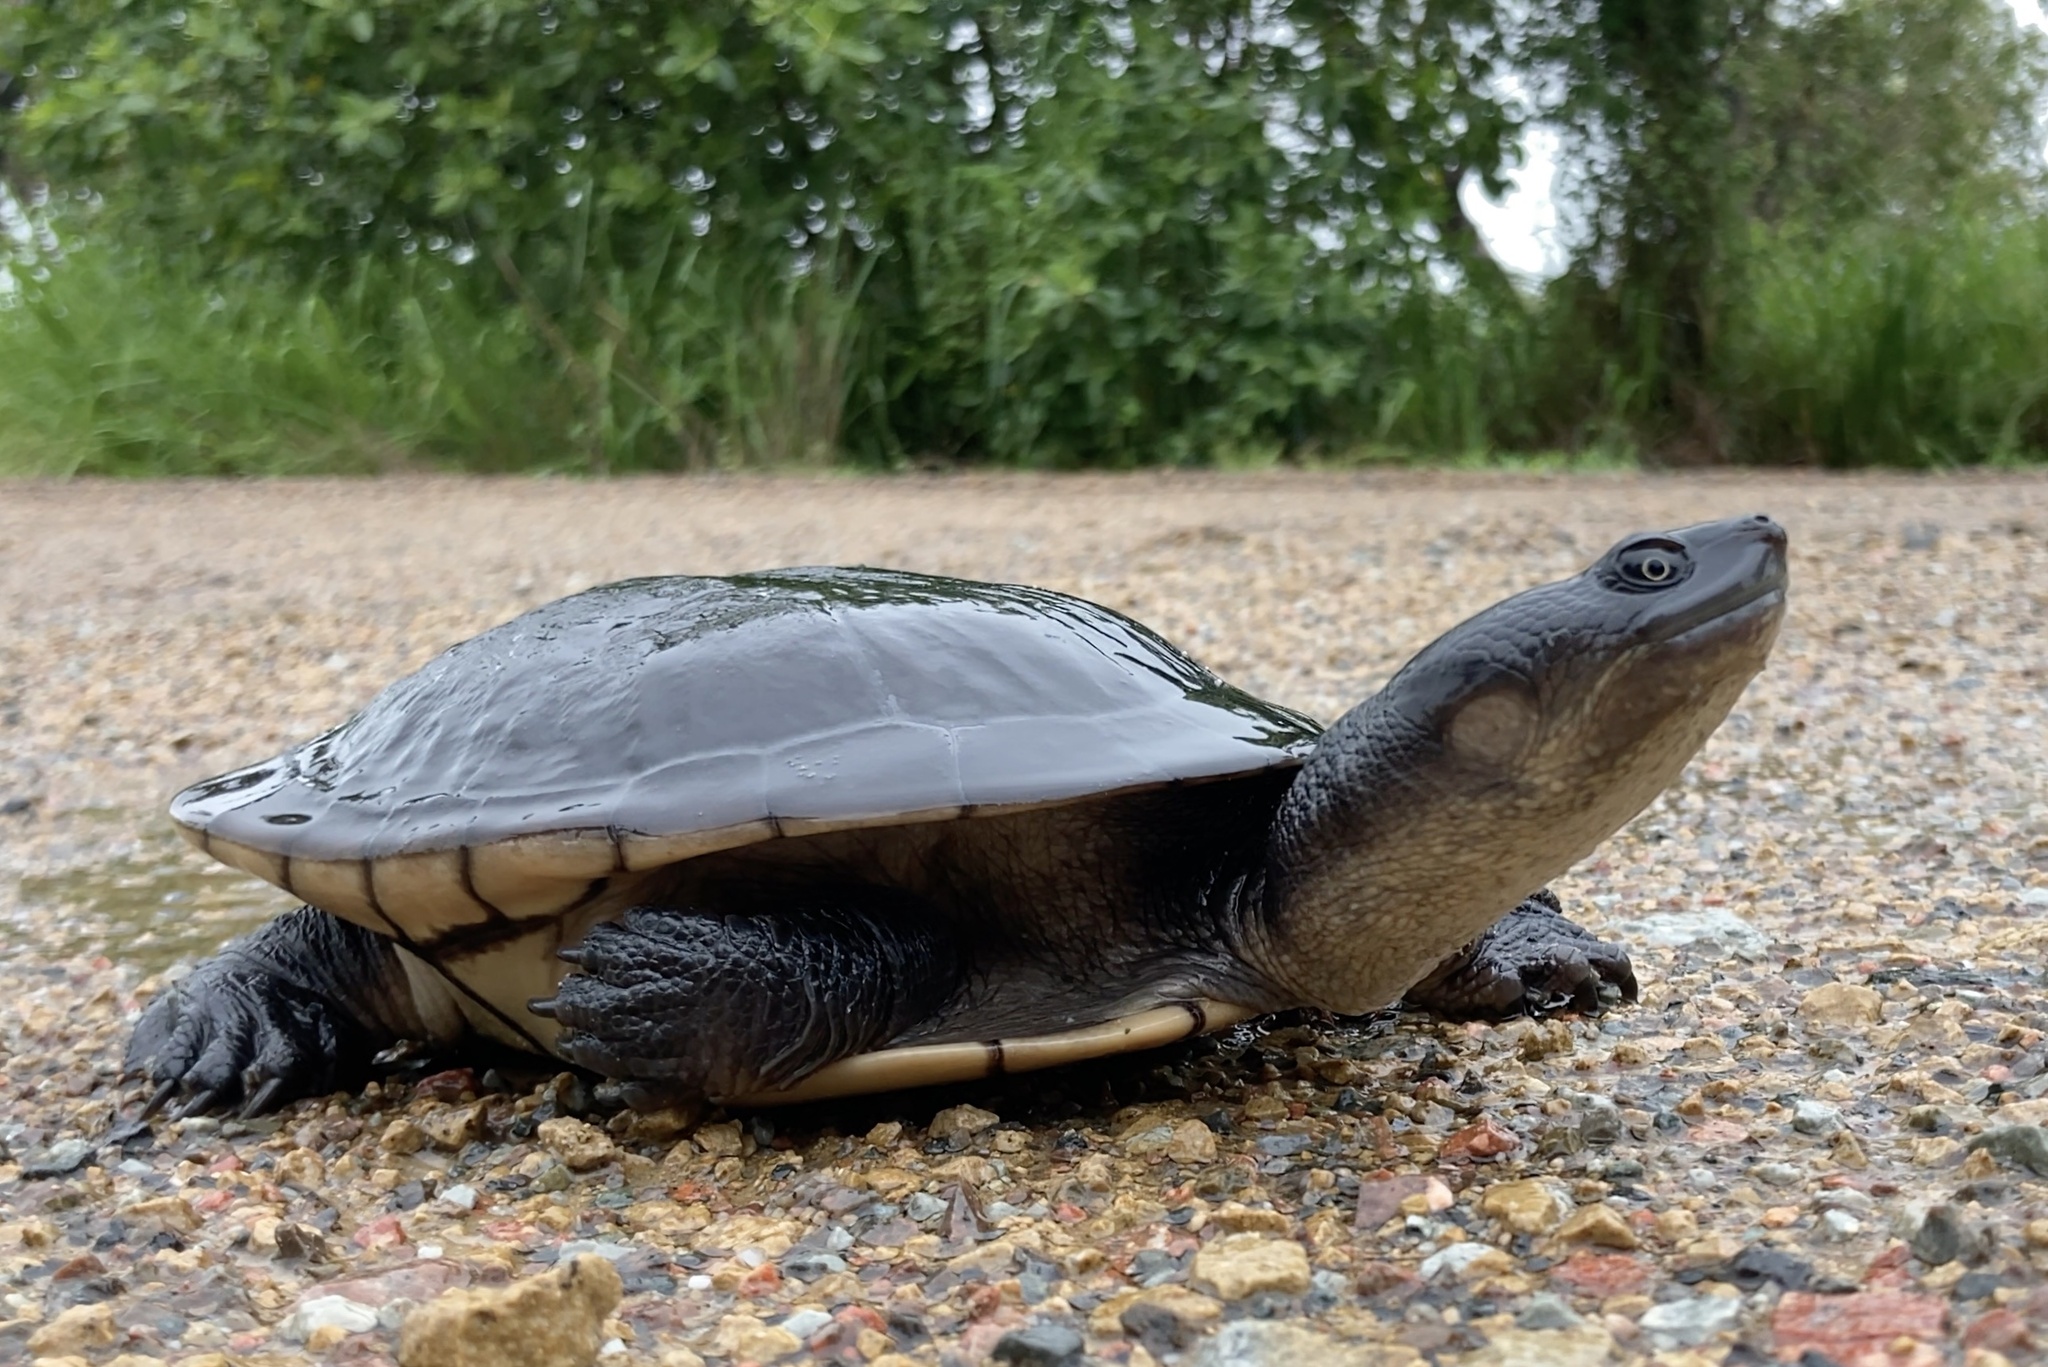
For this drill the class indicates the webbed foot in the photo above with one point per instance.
(718, 1005)
(1530, 962)
(264, 1022)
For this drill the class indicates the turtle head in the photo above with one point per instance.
(1505, 752)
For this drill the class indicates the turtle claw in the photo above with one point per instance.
(193, 1105)
(544, 1006)
(1532, 962)
(164, 1092)
(262, 1099)
(236, 1032)
(571, 954)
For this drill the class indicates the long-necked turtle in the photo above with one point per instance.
(818, 831)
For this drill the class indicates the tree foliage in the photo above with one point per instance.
(1063, 231)
(1042, 231)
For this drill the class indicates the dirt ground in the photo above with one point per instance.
(1819, 1138)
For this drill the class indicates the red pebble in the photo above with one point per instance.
(452, 1084)
(212, 1201)
(1487, 1139)
(2001, 1330)
(1600, 1275)
(382, 1232)
(1845, 1327)
(1887, 1271)
(762, 1281)
(227, 1162)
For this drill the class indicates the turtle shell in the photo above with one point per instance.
(654, 720)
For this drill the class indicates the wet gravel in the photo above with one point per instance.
(1819, 1138)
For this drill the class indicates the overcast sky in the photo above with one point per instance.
(1522, 229)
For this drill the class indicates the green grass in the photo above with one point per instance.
(1900, 345)
(1921, 346)
(114, 366)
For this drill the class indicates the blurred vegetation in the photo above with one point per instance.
(361, 234)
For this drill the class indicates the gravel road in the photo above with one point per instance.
(1819, 1139)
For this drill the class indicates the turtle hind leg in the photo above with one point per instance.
(296, 1008)
(1531, 961)
(718, 1004)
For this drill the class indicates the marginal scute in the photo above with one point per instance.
(924, 1065)
(540, 875)
(641, 852)
(337, 885)
(425, 894)
(265, 865)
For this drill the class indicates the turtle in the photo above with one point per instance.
(810, 832)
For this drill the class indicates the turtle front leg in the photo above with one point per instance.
(297, 1008)
(1531, 961)
(712, 1005)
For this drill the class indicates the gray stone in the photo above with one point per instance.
(1689, 1322)
(805, 1323)
(1547, 1311)
(1777, 1174)
(1838, 1225)
(2025, 1145)
(1452, 1260)
(1942, 1236)
(924, 1206)
(61, 1157)
(1599, 1120)
(1039, 1345)
(1815, 1117)
(807, 1265)
(1676, 929)
(1275, 1343)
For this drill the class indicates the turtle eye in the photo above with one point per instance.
(1651, 564)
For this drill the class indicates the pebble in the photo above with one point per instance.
(1845, 1327)
(1039, 1345)
(1459, 1259)
(1690, 1320)
(550, 1320)
(1546, 1311)
(1274, 1343)
(1940, 1236)
(958, 1124)
(1680, 929)
(74, 1330)
(1240, 1265)
(2024, 1146)
(327, 1312)
(721, 1140)
(1815, 1117)
(580, 1145)
(1601, 1225)
(1839, 1225)
(61, 1157)
(1871, 813)
(805, 1323)
(1531, 1206)
(1582, 1345)
(1843, 1006)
